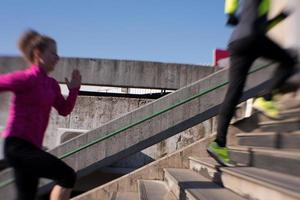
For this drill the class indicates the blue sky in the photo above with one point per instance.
(178, 31)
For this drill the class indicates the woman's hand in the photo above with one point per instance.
(75, 81)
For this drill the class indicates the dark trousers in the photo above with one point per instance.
(243, 53)
(31, 163)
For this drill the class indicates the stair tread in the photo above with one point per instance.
(293, 110)
(283, 121)
(208, 161)
(272, 179)
(124, 196)
(200, 187)
(276, 140)
(279, 181)
(156, 190)
(253, 134)
(286, 153)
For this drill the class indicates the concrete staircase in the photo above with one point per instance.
(268, 161)
(268, 165)
(146, 126)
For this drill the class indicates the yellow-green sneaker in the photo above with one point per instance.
(268, 108)
(220, 154)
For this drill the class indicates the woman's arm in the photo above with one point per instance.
(65, 106)
(15, 81)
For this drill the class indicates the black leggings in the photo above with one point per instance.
(243, 53)
(31, 163)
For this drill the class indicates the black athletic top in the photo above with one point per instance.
(250, 21)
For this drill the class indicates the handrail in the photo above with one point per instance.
(114, 133)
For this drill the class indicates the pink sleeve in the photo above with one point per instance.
(62, 105)
(14, 81)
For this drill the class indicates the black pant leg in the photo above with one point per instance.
(26, 184)
(239, 67)
(49, 166)
(30, 161)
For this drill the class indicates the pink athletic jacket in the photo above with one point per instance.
(34, 95)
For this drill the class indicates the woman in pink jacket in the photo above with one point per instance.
(34, 93)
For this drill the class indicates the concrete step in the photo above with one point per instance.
(207, 167)
(271, 159)
(289, 101)
(154, 190)
(280, 126)
(258, 122)
(260, 184)
(283, 115)
(186, 184)
(250, 182)
(270, 139)
(291, 113)
(123, 196)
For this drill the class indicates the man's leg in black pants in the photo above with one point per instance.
(238, 71)
(239, 67)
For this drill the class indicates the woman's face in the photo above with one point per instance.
(49, 57)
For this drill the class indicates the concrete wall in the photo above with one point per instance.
(121, 73)
(92, 112)
(4, 107)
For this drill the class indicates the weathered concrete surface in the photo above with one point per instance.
(89, 113)
(92, 112)
(167, 146)
(138, 137)
(4, 107)
(65, 134)
(140, 159)
(152, 171)
(120, 73)
(154, 126)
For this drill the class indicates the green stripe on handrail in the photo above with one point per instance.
(3, 184)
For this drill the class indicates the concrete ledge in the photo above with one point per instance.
(121, 73)
(66, 134)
